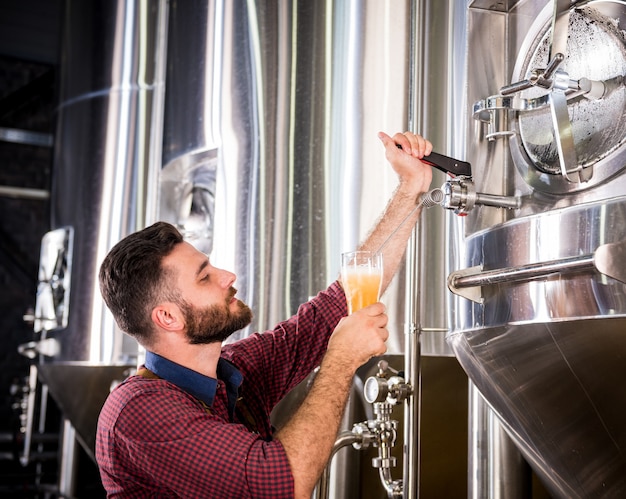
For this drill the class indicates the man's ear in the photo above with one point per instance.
(168, 316)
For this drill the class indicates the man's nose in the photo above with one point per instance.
(226, 278)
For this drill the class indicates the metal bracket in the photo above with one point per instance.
(610, 260)
(474, 293)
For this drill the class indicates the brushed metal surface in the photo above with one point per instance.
(104, 155)
(546, 352)
(289, 96)
(554, 384)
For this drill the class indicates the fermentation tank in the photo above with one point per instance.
(537, 271)
(106, 160)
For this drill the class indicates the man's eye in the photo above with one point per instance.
(205, 278)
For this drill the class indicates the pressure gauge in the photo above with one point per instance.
(375, 389)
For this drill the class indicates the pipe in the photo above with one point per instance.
(24, 193)
(497, 201)
(345, 438)
(496, 469)
(523, 272)
(69, 463)
(26, 137)
(30, 397)
(386, 441)
(412, 369)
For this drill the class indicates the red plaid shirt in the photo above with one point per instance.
(156, 439)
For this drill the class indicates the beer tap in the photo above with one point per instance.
(460, 195)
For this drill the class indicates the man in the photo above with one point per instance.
(194, 422)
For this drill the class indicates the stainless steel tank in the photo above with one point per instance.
(539, 303)
(106, 161)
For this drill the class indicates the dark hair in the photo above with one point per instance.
(132, 278)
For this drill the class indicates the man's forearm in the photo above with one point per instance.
(309, 436)
(400, 215)
(392, 231)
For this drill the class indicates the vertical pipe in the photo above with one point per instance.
(30, 416)
(412, 366)
(496, 469)
(477, 456)
(68, 466)
(412, 369)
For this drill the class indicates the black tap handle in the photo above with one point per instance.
(447, 165)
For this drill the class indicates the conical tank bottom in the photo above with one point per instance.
(80, 390)
(558, 388)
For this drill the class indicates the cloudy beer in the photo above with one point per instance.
(361, 276)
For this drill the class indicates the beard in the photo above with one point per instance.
(215, 323)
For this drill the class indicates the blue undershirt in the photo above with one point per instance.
(200, 386)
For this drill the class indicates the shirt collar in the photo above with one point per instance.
(200, 386)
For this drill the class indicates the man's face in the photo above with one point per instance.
(207, 296)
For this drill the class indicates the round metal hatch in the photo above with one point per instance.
(596, 52)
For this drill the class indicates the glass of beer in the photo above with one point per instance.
(361, 276)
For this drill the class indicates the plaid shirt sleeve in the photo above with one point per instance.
(155, 440)
(277, 360)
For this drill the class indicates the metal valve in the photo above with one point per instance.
(383, 392)
(460, 195)
(380, 388)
